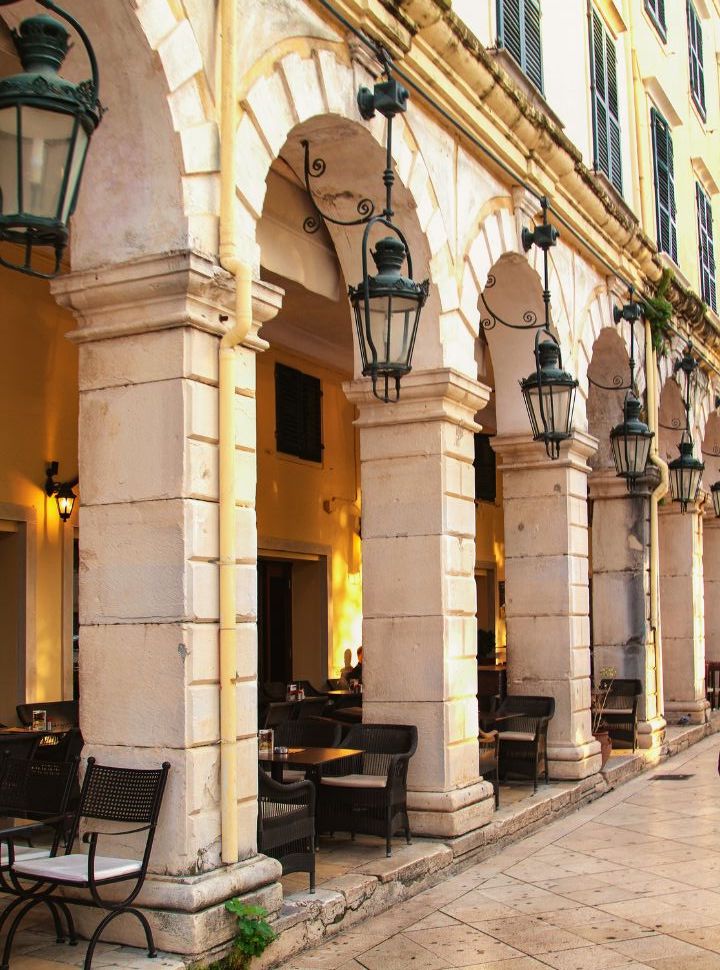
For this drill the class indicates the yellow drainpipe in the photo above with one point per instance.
(644, 163)
(230, 260)
(660, 490)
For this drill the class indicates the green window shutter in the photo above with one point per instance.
(695, 53)
(706, 246)
(485, 481)
(298, 413)
(606, 121)
(656, 9)
(665, 209)
(519, 34)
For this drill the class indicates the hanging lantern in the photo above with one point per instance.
(65, 497)
(549, 394)
(387, 312)
(685, 475)
(715, 492)
(630, 442)
(46, 124)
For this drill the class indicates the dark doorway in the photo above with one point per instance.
(274, 621)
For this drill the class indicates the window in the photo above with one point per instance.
(606, 122)
(656, 10)
(484, 469)
(519, 34)
(665, 210)
(298, 418)
(695, 51)
(707, 250)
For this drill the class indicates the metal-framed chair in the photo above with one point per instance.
(620, 708)
(367, 792)
(522, 725)
(286, 824)
(489, 745)
(111, 794)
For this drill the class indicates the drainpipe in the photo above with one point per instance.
(644, 163)
(230, 260)
(660, 490)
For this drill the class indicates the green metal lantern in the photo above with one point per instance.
(685, 475)
(387, 311)
(715, 492)
(549, 394)
(630, 442)
(46, 123)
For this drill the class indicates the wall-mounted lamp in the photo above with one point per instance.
(46, 123)
(686, 471)
(386, 306)
(63, 491)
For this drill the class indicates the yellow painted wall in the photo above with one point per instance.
(39, 408)
(291, 494)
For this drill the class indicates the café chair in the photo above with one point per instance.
(108, 794)
(286, 824)
(62, 714)
(311, 732)
(522, 725)
(367, 792)
(62, 746)
(311, 707)
(620, 708)
(278, 712)
(489, 745)
(310, 689)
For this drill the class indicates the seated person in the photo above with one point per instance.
(356, 672)
(347, 670)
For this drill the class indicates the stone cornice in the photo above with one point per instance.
(437, 395)
(159, 292)
(605, 484)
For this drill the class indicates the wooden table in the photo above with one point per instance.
(345, 698)
(313, 758)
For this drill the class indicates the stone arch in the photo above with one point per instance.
(300, 94)
(152, 81)
(609, 366)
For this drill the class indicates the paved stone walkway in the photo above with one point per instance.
(630, 881)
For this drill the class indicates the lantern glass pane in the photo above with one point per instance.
(716, 501)
(391, 328)
(46, 143)
(76, 166)
(630, 453)
(557, 405)
(8, 162)
(65, 505)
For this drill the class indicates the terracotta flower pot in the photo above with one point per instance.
(605, 745)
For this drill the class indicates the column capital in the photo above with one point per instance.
(604, 483)
(433, 395)
(520, 451)
(160, 292)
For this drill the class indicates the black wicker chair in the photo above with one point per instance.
(286, 824)
(620, 709)
(522, 725)
(278, 712)
(489, 744)
(310, 689)
(60, 747)
(367, 793)
(130, 795)
(18, 746)
(309, 732)
(63, 714)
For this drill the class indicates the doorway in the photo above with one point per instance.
(12, 620)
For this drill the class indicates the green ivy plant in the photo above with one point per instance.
(658, 312)
(253, 936)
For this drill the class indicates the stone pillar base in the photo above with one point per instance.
(187, 913)
(698, 711)
(651, 734)
(453, 813)
(573, 761)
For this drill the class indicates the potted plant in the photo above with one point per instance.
(600, 696)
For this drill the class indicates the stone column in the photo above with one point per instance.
(546, 590)
(419, 630)
(148, 341)
(711, 574)
(622, 634)
(682, 610)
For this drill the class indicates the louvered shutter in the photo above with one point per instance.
(519, 34)
(707, 248)
(606, 121)
(298, 413)
(665, 210)
(656, 9)
(695, 53)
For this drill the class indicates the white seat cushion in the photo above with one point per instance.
(516, 736)
(24, 852)
(74, 868)
(355, 781)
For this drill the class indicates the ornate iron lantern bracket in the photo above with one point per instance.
(686, 470)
